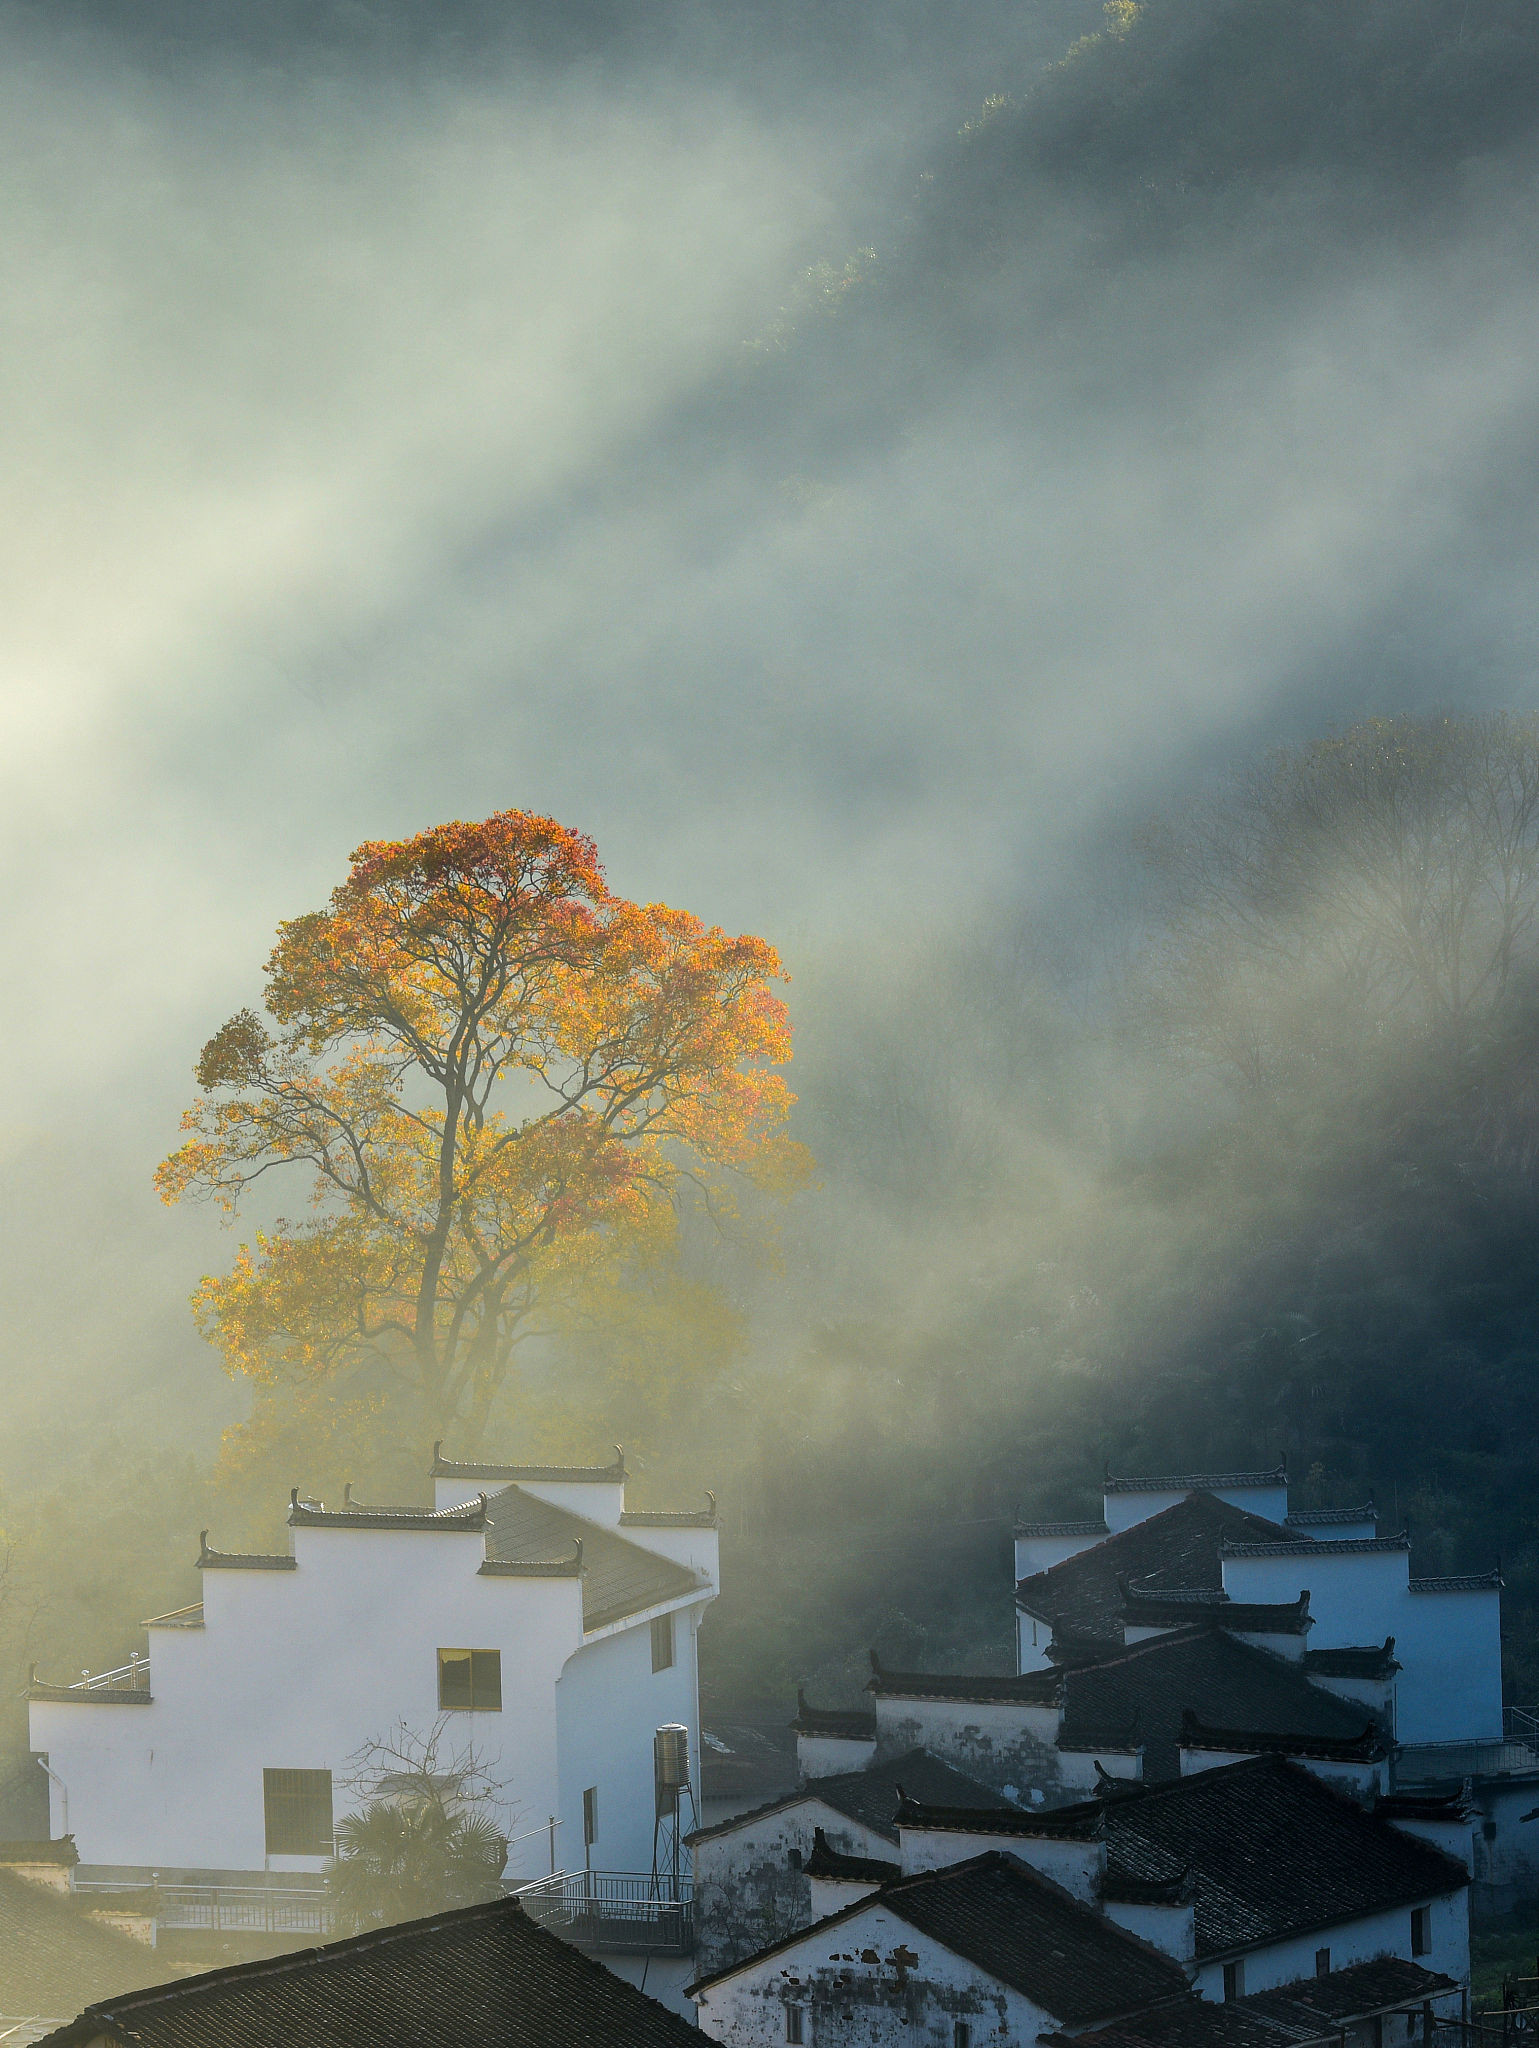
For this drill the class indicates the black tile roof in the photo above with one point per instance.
(1253, 1617)
(1312, 2010)
(54, 1958)
(1274, 1851)
(671, 1518)
(91, 1696)
(61, 1850)
(1029, 1933)
(485, 1975)
(1435, 1806)
(1193, 2023)
(1174, 1551)
(1061, 1529)
(1031, 1688)
(1198, 1482)
(1373, 1660)
(1315, 1546)
(241, 1560)
(619, 1577)
(1019, 1928)
(870, 1797)
(1085, 1822)
(1329, 1518)
(833, 1863)
(1367, 1746)
(577, 1475)
(847, 1724)
(460, 1521)
(1148, 1688)
(1466, 1582)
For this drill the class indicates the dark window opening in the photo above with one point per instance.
(1234, 1980)
(961, 2034)
(1322, 1962)
(662, 1642)
(1421, 1930)
(296, 1806)
(795, 2034)
(470, 1681)
(590, 1817)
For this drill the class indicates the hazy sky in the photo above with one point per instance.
(373, 458)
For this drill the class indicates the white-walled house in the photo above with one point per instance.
(1250, 1884)
(529, 1611)
(1231, 1537)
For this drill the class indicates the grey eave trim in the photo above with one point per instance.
(1308, 1546)
(1197, 1482)
(575, 1475)
(84, 1696)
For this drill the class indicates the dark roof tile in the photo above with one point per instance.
(1372, 1660)
(1314, 1546)
(1274, 1852)
(1329, 1518)
(574, 1475)
(1149, 1686)
(1174, 1551)
(844, 1724)
(1198, 1482)
(619, 1577)
(1029, 1688)
(1021, 1929)
(828, 1862)
(54, 1958)
(870, 1797)
(486, 1974)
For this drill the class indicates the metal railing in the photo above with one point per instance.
(219, 1908)
(1424, 1763)
(134, 1676)
(613, 1909)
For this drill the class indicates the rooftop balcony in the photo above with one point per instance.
(614, 1911)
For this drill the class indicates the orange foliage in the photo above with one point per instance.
(494, 1075)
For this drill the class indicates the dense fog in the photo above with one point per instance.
(884, 473)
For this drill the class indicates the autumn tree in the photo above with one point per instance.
(491, 1076)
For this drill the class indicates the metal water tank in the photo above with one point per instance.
(670, 1757)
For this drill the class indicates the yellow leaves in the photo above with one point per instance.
(493, 1075)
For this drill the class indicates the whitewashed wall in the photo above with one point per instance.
(1078, 1866)
(1008, 1744)
(1356, 1941)
(609, 1702)
(850, 1999)
(748, 1891)
(828, 1756)
(1035, 1554)
(1123, 1510)
(1360, 1780)
(1449, 1688)
(1172, 1929)
(297, 1669)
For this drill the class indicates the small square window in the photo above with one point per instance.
(795, 2026)
(1421, 1930)
(1322, 1962)
(590, 1817)
(470, 1681)
(662, 1642)
(1234, 1980)
(961, 2034)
